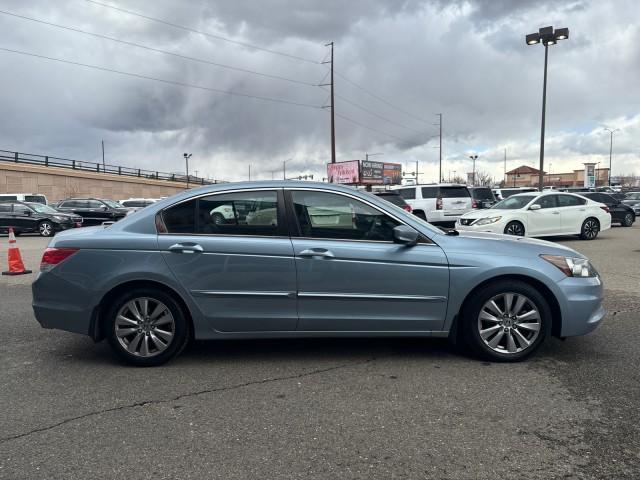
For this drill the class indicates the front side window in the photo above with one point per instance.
(94, 204)
(513, 203)
(547, 201)
(20, 209)
(330, 215)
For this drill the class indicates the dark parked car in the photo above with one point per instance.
(27, 217)
(632, 199)
(394, 197)
(94, 211)
(482, 197)
(620, 213)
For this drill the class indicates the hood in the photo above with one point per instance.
(505, 245)
(485, 213)
(631, 202)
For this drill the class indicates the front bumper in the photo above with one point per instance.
(581, 305)
(497, 227)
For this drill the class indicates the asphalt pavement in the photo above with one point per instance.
(383, 408)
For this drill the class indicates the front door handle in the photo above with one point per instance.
(316, 252)
(186, 248)
(555, 213)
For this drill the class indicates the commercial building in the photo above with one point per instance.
(525, 176)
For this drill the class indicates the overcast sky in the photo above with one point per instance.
(466, 59)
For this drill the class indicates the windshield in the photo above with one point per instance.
(112, 204)
(42, 208)
(512, 203)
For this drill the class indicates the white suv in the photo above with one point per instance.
(437, 202)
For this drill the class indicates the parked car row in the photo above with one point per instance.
(29, 213)
(523, 211)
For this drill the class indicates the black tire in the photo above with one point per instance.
(45, 229)
(420, 214)
(470, 323)
(628, 220)
(514, 228)
(590, 229)
(218, 219)
(181, 331)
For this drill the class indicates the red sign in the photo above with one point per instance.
(344, 172)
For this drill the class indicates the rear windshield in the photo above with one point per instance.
(512, 203)
(407, 193)
(454, 192)
(35, 198)
(395, 199)
(482, 194)
(633, 196)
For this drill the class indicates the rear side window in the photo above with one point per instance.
(571, 201)
(395, 199)
(5, 207)
(181, 218)
(407, 193)
(429, 192)
(8, 197)
(239, 213)
(454, 192)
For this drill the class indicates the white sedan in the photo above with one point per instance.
(538, 214)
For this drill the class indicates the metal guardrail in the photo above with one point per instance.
(49, 161)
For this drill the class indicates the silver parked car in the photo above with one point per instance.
(307, 259)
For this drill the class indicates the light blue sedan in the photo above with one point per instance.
(302, 259)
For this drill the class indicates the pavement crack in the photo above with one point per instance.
(186, 395)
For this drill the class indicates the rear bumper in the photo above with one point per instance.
(61, 305)
(581, 305)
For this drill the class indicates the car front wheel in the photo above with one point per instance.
(146, 327)
(628, 219)
(506, 321)
(514, 228)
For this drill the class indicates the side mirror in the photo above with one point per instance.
(535, 206)
(27, 213)
(104, 207)
(405, 235)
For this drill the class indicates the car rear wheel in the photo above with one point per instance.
(514, 228)
(506, 321)
(45, 228)
(420, 215)
(590, 229)
(146, 327)
(628, 219)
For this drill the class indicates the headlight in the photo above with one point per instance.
(59, 219)
(572, 266)
(487, 221)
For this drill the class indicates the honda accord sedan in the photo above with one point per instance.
(303, 259)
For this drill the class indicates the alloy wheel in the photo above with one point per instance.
(628, 220)
(509, 323)
(515, 228)
(590, 229)
(145, 327)
(45, 229)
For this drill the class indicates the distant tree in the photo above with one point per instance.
(483, 179)
(458, 179)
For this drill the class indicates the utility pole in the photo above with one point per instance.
(103, 167)
(473, 175)
(284, 169)
(440, 146)
(611, 149)
(505, 168)
(332, 106)
(249, 172)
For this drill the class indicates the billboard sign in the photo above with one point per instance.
(392, 174)
(344, 172)
(372, 173)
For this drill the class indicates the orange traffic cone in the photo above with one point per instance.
(16, 267)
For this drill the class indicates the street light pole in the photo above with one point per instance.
(611, 149)
(187, 156)
(284, 168)
(547, 36)
(473, 174)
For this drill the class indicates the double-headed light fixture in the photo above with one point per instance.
(547, 36)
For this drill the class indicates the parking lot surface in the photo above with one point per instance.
(383, 408)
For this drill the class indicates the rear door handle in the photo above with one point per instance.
(316, 252)
(186, 248)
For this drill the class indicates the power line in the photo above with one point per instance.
(200, 32)
(161, 80)
(351, 120)
(378, 97)
(158, 50)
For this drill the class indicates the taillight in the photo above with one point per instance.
(53, 256)
(439, 203)
(606, 209)
(407, 208)
(474, 204)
